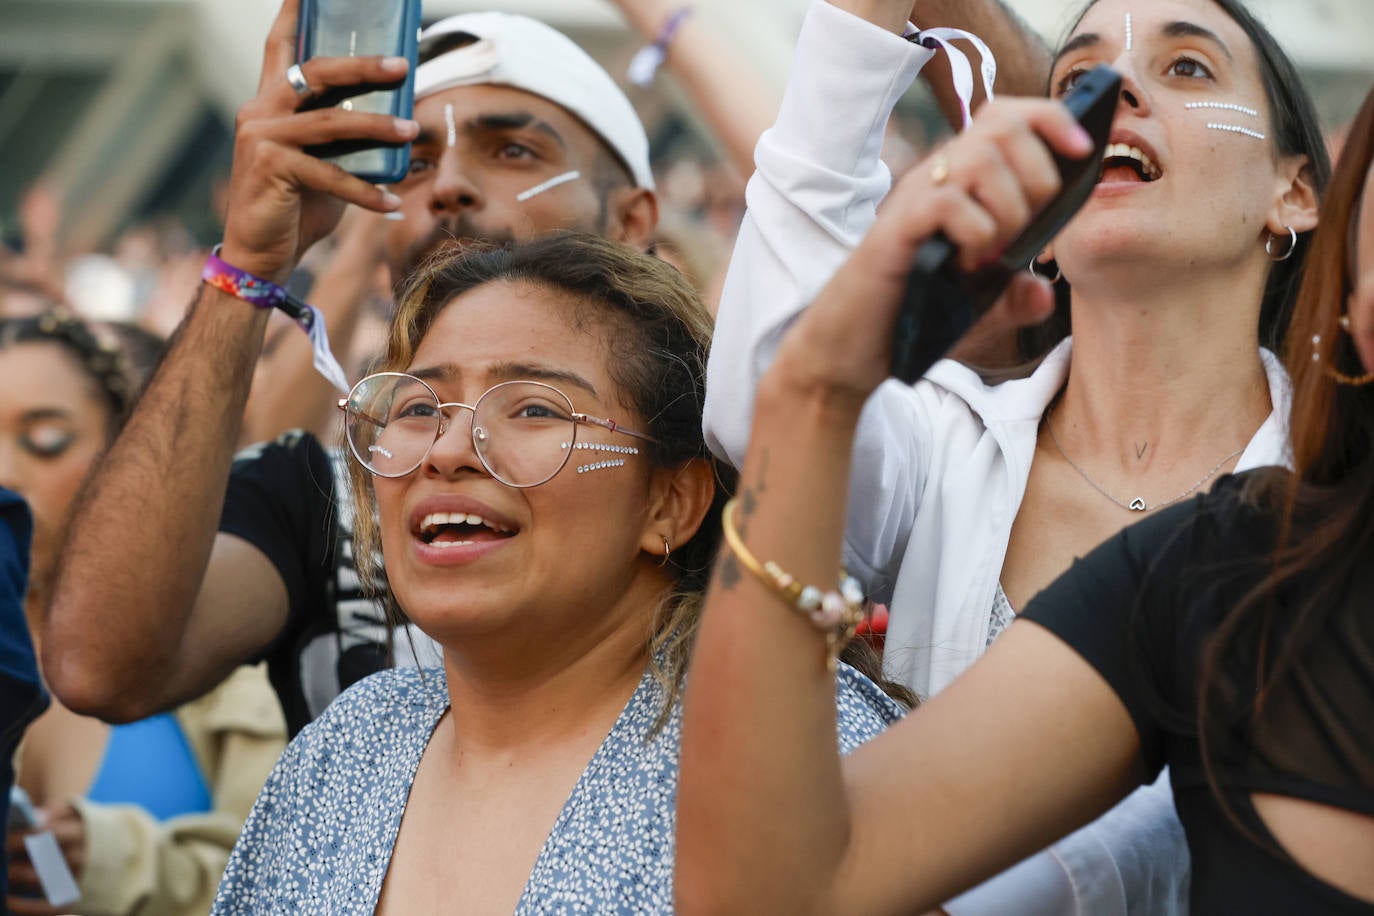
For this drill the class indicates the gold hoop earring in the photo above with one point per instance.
(1340, 378)
(1292, 245)
(1034, 273)
(667, 551)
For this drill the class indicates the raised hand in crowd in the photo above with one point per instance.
(288, 392)
(173, 474)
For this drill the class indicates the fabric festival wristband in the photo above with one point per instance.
(265, 294)
(960, 70)
(644, 65)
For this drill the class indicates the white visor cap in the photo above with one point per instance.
(523, 53)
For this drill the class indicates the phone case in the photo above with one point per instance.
(378, 164)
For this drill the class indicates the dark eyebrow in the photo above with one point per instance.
(509, 372)
(445, 372)
(535, 373)
(1179, 29)
(513, 120)
(1192, 30)
(1076, 43)
(46, 413)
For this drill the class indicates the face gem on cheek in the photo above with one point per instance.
(601, 465)
(1225, 106)
(1235, 129)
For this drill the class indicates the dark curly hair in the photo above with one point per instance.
(102, 360)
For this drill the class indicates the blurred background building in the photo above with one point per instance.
(124, 108)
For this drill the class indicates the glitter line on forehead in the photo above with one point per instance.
(1225, 106)
(450, 126)
(543, 186)
(1130, 36)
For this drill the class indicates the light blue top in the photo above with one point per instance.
(150, 763)
(319, 839)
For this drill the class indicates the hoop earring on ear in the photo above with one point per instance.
(667, 550)
(1034, 273)
(1292, 245)
(1339, 377)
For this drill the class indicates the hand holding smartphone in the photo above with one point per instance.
(54, 875)
(363, 28)
(942, 301)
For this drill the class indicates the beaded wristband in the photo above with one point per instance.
(837, 613)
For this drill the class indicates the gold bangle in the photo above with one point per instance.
(837, 613)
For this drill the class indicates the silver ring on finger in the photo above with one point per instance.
(296, 77)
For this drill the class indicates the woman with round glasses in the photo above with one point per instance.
(523, 432)
(530, 463)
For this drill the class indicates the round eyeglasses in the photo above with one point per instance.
(523, 432)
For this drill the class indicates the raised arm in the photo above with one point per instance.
(734, 98)
(969, 784)
(150, 606)
(1023, 60)
(813, 196)
(288, 392)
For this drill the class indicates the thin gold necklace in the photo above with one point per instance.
(1138, 503)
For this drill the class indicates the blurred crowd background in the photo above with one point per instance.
(116, 125)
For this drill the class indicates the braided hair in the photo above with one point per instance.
(101, 360)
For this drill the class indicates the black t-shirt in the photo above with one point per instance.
(288, 498)
(1141, 609)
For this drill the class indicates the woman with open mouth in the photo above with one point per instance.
(530, 464)
(970, 491)
(1230, 637)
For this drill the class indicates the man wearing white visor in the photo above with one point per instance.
(521, 132)
(516, 132)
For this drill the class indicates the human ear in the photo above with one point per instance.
(1295, 200)
(632, 216)
(679, 499)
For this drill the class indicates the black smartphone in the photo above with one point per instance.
(363, 28)
(942, 301)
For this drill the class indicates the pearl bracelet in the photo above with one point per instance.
(837, 612)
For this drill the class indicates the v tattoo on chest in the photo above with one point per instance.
(1140, 450)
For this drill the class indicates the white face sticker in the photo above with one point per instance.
(451, 127)
(1225, 106)
(1130, 36)
(543, 186)
(606, 463)
(1236, 129)
(601, 465)
(1233, 108)
(603, 447)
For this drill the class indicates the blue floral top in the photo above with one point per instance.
(320, 836)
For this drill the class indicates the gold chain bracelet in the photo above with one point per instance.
(837, 613)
